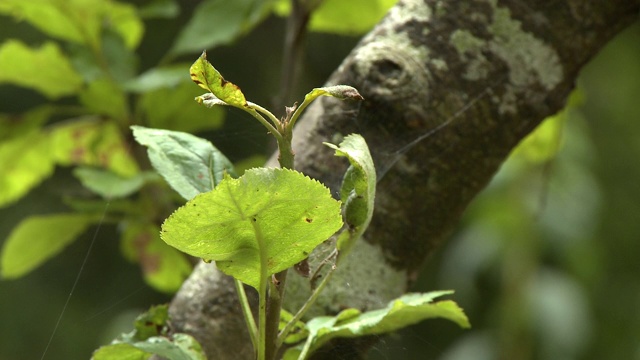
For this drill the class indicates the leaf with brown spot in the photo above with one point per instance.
(208, 78)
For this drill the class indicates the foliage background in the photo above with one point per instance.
(544, 262)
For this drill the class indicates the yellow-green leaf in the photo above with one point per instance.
(208, 78)
(79, 21)
(351, 17)
(38, 238)
(24, 162)
(259, 224)
(163, 267)
(91, 142)
(103, 96)
(45, 69)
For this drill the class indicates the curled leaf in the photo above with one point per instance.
(208, 78)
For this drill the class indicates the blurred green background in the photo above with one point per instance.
(544, 262)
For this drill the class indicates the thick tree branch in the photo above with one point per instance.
(484, 73)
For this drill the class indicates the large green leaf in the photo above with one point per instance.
(163, 267)
(24, 162)
(103, 96)
(218, 22)
(88, 141)
(38, 238)
(190, 165)
(173, 109)
(351, 17)
(45, 69)
(208, 78)
(268, 216)
(358, 189)
(407, 310)
(79, 21)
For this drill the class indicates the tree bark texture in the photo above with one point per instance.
(450, 88)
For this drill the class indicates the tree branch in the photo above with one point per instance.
(485, 73)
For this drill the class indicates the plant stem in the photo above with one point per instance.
(276, 295)
(262, 292)
(246, 311)
(283, 334)
(264, 121)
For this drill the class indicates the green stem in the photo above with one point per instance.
(296, 114)
(303, 310)
(264, 122)
(276, 295)
(248, 315)
(262, 292)
(264, 111)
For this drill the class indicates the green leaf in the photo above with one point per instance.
(164, 267)
(104, 97)
(88, 141)
(45, 69)
(173, 109)
(13, 125)
(120, 351)
(151, 323)
(218, 22)
(407, 310)
(110, 185)
(299, 331)
(38, 238)
(208, 78)
(358, 189)
(267, 216)
(79, 21)
(149, 338)
(190, 165)
(179, 347)
(159, 9)
(158, 78)
(342, 92)
(25, 161)
(353, 17)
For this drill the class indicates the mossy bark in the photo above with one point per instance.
(484, 74)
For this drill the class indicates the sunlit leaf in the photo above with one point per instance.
(173, 109)
(358, 189)
(38, 238)
(45, 69)
(342, 92)
(351, 17)
(407, 310)
(218, 22)
(271, 216)
(25, 161)
(91, 142)
(163, 267)
(120, 351)
(190, 165)
(79, 21)
(208, 78)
